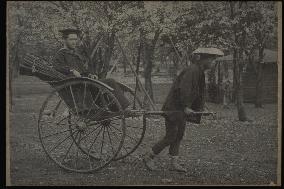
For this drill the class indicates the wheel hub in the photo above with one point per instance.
(106, 123)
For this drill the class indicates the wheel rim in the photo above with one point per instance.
(80, 140)
(135, 129)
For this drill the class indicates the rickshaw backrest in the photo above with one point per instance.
(83, 100)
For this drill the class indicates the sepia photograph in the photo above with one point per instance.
(143, 93)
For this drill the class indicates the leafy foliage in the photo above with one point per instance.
(190, 24)
(166, 29)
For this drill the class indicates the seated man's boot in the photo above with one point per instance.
(148, 160)
(175, 166)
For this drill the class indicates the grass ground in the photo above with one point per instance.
(220, 151)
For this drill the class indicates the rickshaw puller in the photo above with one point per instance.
(185, 96)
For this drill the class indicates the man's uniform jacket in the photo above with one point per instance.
(188, 90)
(65, 60)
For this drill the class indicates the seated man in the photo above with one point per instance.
(70, 63)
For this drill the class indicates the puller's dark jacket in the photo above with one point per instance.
(188, 90)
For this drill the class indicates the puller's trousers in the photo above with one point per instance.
(174, 133)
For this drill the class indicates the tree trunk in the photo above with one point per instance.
(108, 55)
(239, 89)
(219, 85)
(139, 49)
(259, 80)
(149, 52)
(232, 15)
(148, 76)
(237, 58)
(10, 89)
(14, 66)
(211, 86)
(88, 51)
(16, 61)
(99, 64)
(175, 61)
(124, 67)
(234, 82)
(137, 72)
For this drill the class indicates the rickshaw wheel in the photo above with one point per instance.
(135, 129)
(77, 133)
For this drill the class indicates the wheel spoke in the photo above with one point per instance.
(84, 137)
(57, 106)
(93, 102)
(110, 103)
(116, 136)
(90, 163)
(94, 140)
(60, 143)
(102, 143)
(98, 113)
(108, 119)
(84, 95)
(73, 100)
(64, 118)
(69, 148)
(57, 133)
(77, 152)
(110, 140)
(125, 149)
(74, 119)
(52, 123)
(134, 127)
(125, 134)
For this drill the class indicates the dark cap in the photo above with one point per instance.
(66, 32)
